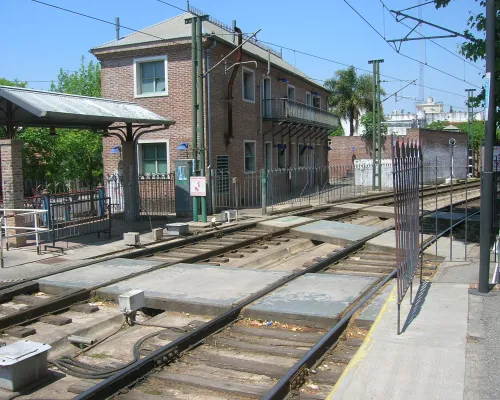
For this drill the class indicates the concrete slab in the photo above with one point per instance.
(454, 216)
(277, 224)
(380, 211)
(368, 316)
(387, 243)
(313, 300)
(427, 361)
(334, 232)
(351, 206)
(195, 288)
(94, 274)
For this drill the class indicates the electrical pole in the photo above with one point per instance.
(376, 121)
(470, 134)
(194, 106)
(201, 113)
(486, 221)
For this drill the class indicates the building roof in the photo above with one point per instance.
(176, 28)
(44, 108)
(451, 128)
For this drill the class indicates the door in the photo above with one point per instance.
(266, 98)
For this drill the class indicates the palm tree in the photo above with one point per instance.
(350, 95)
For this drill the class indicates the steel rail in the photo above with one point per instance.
(171, 351)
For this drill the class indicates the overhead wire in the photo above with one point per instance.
(405, 55)
(261, 41)
(430, 40)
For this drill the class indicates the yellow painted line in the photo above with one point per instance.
(367, 344)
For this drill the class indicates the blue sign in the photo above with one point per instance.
(353, 148)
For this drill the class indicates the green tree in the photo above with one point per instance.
(84, 82)
(350, 95)
(15, 82)
(71, 154)
(339, 131)
(437, 125)
(475, 50)
(367, 124)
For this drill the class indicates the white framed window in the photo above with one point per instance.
(302, 154)
(250, 156)
(281, 155)
(153, 156)
(248, 85)
(150, 76)
(291, 92)
(308, 99)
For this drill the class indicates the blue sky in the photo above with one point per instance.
(46, 39)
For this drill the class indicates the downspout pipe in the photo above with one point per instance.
(239, 58)
(208, 56)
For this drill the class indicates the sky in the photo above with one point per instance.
(45, 39)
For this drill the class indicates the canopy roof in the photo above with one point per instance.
(59, 110)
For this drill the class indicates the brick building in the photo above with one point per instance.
(279, 115)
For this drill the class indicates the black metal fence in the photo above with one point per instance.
(407, 167)
(156, 195)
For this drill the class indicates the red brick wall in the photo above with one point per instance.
(118, 83)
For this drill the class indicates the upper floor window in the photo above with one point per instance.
(151, 76)
(248, 82)
(316, 101)
(291, 92)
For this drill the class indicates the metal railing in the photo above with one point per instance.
(285, 109)
(17, 215)
(156, 195)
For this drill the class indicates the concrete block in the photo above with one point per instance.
(277, 224)
(229, 215)
(131, 301)
(380, 211)
(57, 320)
(177, 229)
(368, 316)
(157, 233)
(131, 238)
(85, 308)
(351, 206)
(313, 300)
(334, 232)
(20, 331)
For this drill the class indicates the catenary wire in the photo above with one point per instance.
(265, 42)
(405, 55)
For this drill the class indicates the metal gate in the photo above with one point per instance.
(407, 165)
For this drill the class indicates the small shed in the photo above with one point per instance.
(20, 108)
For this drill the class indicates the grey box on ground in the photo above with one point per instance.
(131, 301)
(22, 363)
(157, 233)
(177, 229)
(131, 238)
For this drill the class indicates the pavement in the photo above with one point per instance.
(448, 347)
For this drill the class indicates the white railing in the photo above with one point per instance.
(13, 213)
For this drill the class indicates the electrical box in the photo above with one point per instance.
(183, 202)
(229, 215)
(22, 363)
(177, 228)
(131, 238)
(131, 301)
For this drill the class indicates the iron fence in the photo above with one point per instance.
(407, 166)
(156, 195)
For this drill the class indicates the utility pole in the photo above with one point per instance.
(194, 105)
(201, 112)
(376, 121)
(487, 178)
(470, 134)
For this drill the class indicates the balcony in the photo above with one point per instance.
(285, 110)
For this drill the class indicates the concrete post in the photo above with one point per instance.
(12, 185)
(129, 181)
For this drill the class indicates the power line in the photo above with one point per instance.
(418, 5)
(430, 40)
(262, 69)
(404, 55)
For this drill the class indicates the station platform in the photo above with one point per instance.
(448, 348)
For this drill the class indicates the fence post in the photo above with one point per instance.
(1, 240)
(46, 206)
(101, 209)
(263, 175)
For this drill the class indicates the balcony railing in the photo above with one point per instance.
(289, 110)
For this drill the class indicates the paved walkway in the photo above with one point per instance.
(448, 348)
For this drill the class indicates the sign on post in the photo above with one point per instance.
(198, 186)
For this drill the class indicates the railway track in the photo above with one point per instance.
(227, 247)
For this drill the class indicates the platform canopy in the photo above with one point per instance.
(21, 107)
